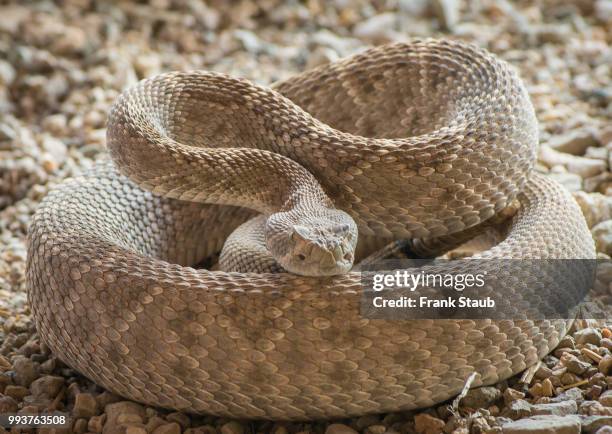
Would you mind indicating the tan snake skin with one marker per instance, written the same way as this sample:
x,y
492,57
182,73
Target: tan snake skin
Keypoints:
x,y
412,140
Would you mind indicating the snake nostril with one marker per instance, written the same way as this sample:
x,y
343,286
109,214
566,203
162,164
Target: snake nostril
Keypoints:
x,y
300,256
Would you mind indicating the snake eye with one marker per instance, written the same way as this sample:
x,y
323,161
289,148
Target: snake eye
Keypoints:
x,y
340,229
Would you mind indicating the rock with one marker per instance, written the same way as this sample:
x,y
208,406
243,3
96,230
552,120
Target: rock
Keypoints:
x,y
79,426
338,428
105,398
47,387
605,365
25,371
16,392
511,395
365,421
590,424
376,429
181,418
597,153
136,429
544,425
573,394
586,167
56,148
447,12
232,428
426,424
7,404
5,365
250,41
481,397
598,184
555,409
85,405
48,366
588,336
603,10
543,389
604,430
376,28
602,234
169,428
595,206
573,142
122,412
595,408
606,398
154,422
581,166
518,409
547,388
553,33
321,56
96,423
573,364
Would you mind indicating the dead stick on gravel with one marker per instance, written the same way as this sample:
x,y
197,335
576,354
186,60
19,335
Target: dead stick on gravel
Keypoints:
x,y
464,391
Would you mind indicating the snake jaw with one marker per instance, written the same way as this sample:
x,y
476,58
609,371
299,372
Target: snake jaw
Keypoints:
x,y
323,245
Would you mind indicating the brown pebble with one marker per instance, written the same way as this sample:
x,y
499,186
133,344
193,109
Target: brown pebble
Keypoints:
x,y
16,392
79,426
48,366
512,395
426,424
114,410
547,388
605,365
606,333
536,390
588,335
25,371
7,404
376,429
96,423
338,428
85,405
169,428
594,392
129,418
574,364
5,365
154,422
135,429
106,398
205,429
606,398
181,418
47,387
567,379
543,372
232,428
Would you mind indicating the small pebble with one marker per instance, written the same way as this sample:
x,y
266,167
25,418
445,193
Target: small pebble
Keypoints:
x,y
338,428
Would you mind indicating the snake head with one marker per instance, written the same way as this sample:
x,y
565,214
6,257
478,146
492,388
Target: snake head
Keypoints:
x,y
314,245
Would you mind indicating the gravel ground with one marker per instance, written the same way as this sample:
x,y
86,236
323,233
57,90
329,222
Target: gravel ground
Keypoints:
x,y
62,64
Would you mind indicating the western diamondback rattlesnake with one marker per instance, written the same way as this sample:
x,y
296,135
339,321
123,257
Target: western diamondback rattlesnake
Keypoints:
x,y
418,140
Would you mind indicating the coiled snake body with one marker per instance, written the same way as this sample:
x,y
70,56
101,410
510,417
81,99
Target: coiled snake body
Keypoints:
x,y
418,140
